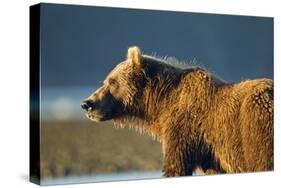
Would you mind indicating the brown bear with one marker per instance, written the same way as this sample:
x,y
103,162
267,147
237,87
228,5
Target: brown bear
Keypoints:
x,y
201,121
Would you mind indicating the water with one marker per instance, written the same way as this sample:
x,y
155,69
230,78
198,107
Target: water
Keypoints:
x,y
103,178
63,103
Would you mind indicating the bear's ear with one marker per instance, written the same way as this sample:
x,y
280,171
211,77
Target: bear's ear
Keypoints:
x,y
134,55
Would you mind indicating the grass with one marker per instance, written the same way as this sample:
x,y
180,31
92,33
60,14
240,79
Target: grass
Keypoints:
x,y
85,148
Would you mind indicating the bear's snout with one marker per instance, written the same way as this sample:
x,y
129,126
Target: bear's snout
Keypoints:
x,y
87,105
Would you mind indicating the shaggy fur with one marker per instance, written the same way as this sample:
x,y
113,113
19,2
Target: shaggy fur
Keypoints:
x,y
201,121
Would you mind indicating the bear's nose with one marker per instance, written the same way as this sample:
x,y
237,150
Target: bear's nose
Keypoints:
x,y
86,105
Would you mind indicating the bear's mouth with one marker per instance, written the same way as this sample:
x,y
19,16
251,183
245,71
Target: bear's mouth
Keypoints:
x,y
95,116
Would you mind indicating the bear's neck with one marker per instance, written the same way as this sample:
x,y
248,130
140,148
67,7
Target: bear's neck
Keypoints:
x,y
157,91
185,93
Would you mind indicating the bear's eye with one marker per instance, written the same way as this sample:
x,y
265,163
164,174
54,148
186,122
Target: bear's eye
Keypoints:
x,y
112,81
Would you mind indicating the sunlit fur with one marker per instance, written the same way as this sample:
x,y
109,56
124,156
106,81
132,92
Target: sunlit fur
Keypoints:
x,y
200,120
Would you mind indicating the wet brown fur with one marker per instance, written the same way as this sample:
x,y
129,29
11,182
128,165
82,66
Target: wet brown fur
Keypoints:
x,y
201,121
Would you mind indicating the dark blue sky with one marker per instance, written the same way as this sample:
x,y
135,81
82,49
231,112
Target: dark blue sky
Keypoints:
x,y
81,44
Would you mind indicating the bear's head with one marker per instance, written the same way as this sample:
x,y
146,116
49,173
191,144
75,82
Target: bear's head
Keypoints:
x,y
120,91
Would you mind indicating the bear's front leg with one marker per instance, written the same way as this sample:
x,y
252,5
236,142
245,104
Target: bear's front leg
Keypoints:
x,y
176,160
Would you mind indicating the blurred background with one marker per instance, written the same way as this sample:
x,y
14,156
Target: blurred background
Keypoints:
x,y
79,47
